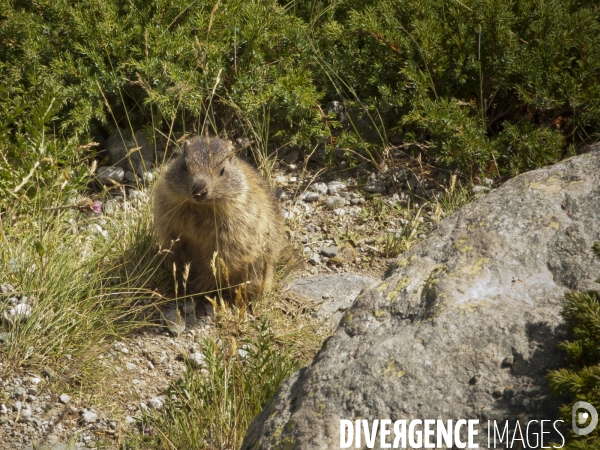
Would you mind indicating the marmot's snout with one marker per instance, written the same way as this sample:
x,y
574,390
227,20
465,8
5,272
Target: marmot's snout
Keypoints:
x,y
199,190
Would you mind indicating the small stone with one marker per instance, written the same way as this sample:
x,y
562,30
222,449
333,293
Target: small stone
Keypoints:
x,y
89,416
136,194
129,420
339,212
35,380
130,366
110,207
64,398
130,176
334,202
197,359
19,392
108,174
20,312
155,403
293,179
32,391
281,180
187,306
52,439
242,353
319,188
17,406
478,189
174,321
310,197
3,409
158,358
315,259
209,310
26,413
143,167
375,187
508,361
329,252
7,288
335,186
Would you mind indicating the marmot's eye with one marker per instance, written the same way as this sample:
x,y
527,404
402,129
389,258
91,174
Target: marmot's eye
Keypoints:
x,y
222,172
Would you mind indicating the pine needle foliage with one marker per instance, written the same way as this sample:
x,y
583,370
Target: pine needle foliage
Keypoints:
x,y
492,86
580,380
481,87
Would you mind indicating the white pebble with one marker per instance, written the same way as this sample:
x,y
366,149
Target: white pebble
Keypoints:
x,y
155,403
89,417
20,312
197,359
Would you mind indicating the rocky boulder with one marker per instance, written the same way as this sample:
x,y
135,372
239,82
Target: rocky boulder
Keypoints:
x,y
332,294
464,326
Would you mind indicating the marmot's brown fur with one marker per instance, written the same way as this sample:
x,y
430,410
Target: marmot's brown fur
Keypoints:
x,y
209,201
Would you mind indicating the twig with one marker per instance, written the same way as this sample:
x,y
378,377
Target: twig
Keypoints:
x,y
26,179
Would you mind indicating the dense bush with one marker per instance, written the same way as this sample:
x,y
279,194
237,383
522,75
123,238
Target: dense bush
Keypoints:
x,y
580,380
483,87
168,65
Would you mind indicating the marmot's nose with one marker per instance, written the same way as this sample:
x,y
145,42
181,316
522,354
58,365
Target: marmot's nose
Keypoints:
x,y
199,191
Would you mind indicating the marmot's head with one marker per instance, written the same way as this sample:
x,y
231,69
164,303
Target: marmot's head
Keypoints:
x,y
206,172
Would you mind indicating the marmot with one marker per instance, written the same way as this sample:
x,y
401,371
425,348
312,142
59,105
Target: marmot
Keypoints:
x,y
209,202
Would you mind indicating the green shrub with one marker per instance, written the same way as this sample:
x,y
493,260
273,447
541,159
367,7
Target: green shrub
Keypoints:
x,y
236,67
487,86
580,380
481,87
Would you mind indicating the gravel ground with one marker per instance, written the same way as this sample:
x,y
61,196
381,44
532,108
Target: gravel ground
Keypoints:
x,y
338,224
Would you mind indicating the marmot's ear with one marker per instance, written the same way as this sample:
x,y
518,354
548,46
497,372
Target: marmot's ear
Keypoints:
x,y
185,147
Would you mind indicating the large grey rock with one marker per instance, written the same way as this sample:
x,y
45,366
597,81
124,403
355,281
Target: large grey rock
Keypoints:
x,y
464,326
331,294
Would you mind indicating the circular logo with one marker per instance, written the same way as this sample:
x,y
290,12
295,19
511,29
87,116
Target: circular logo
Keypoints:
x,y
579,418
